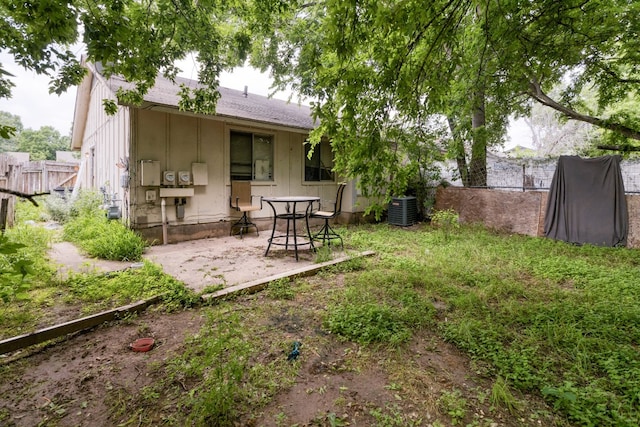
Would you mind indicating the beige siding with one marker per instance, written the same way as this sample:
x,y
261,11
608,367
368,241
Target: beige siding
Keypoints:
x,y
176,141
105,145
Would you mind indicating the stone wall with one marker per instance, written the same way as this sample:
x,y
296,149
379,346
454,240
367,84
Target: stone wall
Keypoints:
x,y
516,212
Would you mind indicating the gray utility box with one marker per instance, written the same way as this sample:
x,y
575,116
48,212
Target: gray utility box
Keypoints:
x,y
403,211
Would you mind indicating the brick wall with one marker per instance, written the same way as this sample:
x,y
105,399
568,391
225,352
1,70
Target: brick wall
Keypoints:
x,y
516,212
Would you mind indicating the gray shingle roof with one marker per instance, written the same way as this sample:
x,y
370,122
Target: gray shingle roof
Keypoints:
x,y
232,103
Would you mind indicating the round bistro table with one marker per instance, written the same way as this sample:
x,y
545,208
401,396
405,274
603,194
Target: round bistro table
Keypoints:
x,y
292,237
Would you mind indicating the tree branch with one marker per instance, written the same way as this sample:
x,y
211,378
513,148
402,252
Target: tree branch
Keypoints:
x,y
616,77
29,197
535,92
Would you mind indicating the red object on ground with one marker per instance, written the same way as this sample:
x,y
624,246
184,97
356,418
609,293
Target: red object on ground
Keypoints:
x,y
142,344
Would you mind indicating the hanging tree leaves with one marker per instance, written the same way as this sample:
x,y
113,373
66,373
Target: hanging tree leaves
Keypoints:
x,y
380,74
377,66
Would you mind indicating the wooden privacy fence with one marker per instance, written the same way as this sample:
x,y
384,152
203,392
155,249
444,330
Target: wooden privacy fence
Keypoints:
x,y
29,177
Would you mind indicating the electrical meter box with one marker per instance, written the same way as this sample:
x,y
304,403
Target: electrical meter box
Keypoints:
x,y
169,178
149,173
184,177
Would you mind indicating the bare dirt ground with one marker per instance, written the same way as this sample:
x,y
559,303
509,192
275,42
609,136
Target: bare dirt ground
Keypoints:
x,y
77,381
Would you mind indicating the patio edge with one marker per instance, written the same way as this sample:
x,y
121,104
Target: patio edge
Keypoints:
x,y
17,343
260,284
77,325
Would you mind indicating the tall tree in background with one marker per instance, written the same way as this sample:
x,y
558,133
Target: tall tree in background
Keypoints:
x,y
9,141
43,143
376,71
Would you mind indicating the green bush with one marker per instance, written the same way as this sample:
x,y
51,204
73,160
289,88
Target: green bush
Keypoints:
x,y
103,238
13,269
115,242
64,207
99,237
446,220
58,207
87,202
27,211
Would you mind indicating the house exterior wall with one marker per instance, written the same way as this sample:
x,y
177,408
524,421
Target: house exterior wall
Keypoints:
x,y
105,145
113,148
177,140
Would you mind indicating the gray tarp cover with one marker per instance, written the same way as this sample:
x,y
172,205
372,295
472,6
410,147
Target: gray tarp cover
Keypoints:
x,y
586,202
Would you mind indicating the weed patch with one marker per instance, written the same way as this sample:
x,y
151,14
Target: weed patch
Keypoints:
x,y
98,290
221,362
535,317
281,289
103,238
86,225
365,318
24,273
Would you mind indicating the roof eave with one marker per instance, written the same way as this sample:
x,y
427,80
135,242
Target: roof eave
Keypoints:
x,y
243,121
81,110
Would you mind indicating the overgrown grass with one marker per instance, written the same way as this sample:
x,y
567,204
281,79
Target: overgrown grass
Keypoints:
x,y
103,238
98,291
27,211
368,314
221,355
24,273
88,228
544,316
537,317
30,286
226,370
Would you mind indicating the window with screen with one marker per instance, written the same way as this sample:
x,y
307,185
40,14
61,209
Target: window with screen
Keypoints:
x,y
251,156
319,167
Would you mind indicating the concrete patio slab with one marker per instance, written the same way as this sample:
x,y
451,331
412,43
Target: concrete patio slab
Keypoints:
x,y
226,261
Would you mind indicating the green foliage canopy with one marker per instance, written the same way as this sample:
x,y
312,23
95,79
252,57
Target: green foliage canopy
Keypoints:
x,y
377,72
10,125
135,39
375,68
43,143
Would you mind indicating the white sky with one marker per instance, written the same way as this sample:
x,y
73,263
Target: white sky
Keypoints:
x,y
36,107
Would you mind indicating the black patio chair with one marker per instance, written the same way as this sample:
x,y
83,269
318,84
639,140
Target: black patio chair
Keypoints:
x,y
326,233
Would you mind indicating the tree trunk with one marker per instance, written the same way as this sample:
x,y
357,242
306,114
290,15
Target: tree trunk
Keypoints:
x,y
478,164
458,147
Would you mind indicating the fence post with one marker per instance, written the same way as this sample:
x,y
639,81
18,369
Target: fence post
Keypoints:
x,y
4,209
